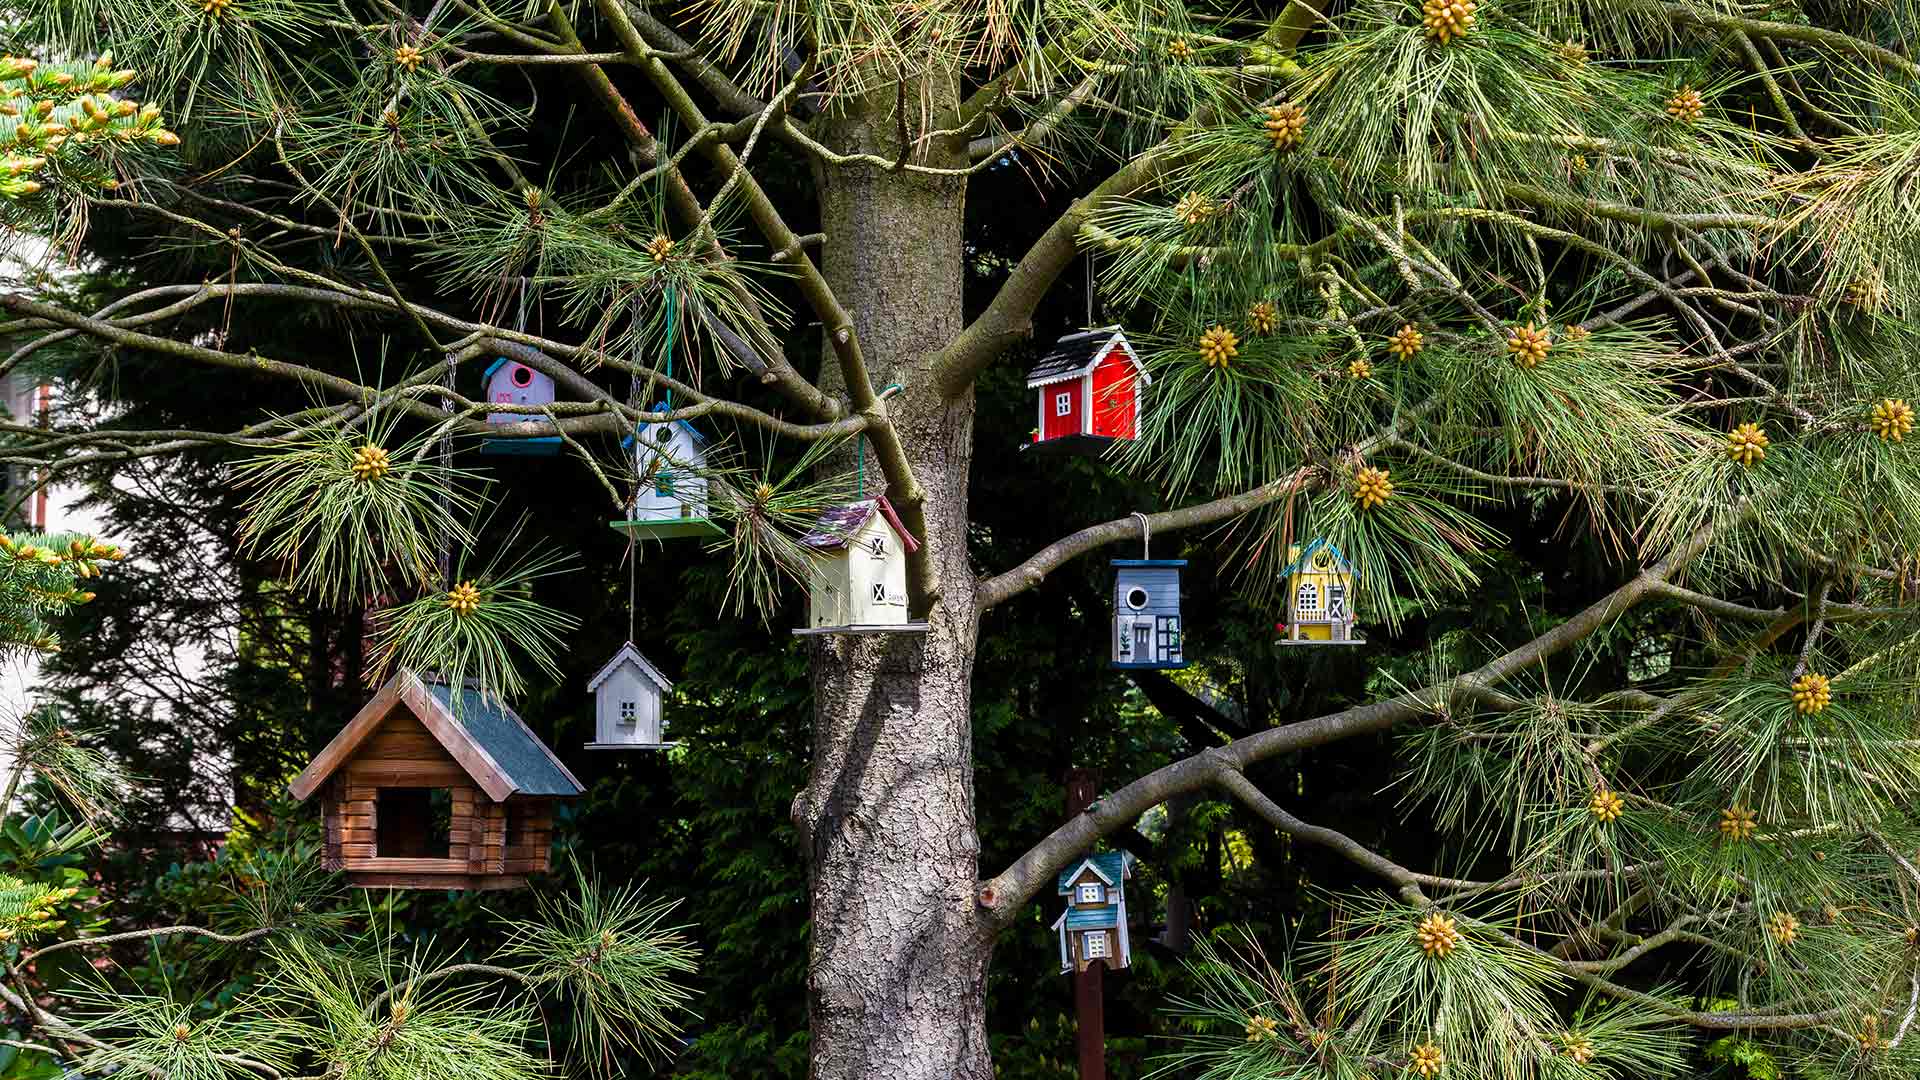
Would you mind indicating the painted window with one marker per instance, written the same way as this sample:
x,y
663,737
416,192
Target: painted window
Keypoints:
x,y
1306,603
1093,893
629,711
1336,601
879,592
878,547
1063,404
1168,630
1095,945
663,484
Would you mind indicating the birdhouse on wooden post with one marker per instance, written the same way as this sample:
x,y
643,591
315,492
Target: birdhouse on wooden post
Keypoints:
x,y
1089,393
1094,926
510,382
627,697
1319,597
669,460
1146,614
859,573
436,787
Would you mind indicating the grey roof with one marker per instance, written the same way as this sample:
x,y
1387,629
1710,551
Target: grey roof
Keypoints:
x,y
835,528
629,652
507,740
1075,354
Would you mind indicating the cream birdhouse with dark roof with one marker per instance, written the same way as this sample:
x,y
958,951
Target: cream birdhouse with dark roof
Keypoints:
x,y
859,571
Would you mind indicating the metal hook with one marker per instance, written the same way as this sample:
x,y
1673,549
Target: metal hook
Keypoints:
x,y
1146,535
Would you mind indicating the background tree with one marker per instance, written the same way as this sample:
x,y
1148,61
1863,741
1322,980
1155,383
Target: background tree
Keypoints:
x,y
1412,279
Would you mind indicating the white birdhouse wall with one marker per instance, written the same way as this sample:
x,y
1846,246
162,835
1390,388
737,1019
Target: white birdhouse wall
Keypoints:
x,y
627,709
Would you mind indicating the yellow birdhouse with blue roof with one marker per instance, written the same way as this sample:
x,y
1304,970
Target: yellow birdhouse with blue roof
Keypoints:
x,y
1319,597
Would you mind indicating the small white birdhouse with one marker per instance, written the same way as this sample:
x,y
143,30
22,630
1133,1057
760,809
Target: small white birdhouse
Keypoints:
x,y
627,696
669,461
860,570
1094,926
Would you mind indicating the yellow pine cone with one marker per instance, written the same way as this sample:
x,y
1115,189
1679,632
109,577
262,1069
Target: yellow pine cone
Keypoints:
x,y
1193,208
1371,487
1738,823
1179,49
1870,1032
1578,1047
1427,1060
1687,105
371,463
1747,444
464,599
1261,1028
660,247
1528,344
1784,928
1866,292
1406,342
215,7
408,57
1447,19
1892,420
1607,805
1573,51
1811,693
1360,369
1218,346
1263,317
1576,332
1438,936
1286,123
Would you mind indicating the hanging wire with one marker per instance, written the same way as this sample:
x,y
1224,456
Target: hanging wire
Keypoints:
x,y
1089,264
1146,535
673,308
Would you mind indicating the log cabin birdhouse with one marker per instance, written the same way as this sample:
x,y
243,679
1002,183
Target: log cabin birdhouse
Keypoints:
x,y
669,465
859,572
1319,597
1146,614
1088,391
1094,926
627,697
510,382
436,787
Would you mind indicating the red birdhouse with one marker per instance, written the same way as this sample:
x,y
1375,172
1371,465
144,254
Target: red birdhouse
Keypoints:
x,y
1089,390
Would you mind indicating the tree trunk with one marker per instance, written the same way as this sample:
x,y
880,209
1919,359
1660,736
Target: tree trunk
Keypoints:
x,y
899,952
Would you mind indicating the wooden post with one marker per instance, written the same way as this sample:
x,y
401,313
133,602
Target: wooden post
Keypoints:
x,y
1089,1001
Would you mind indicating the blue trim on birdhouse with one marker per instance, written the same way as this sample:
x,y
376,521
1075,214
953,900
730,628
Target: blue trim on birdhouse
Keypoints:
x,y
1104,917
545,446
1112,866
1158,665
661,406
1149,562
493,367
1308,552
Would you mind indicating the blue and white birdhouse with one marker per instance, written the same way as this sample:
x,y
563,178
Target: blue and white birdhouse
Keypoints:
x,y
669,461
1094,926
1146,614
627,697
510,382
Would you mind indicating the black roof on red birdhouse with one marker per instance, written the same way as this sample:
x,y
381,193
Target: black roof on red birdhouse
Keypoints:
x,y
837,527
1077,354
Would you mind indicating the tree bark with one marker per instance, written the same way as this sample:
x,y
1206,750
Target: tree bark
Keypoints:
x,y
899,947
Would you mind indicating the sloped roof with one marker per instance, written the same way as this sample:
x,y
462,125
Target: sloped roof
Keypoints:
x,y
1307,552
485,737
835,528
1112,866
628,652
1104,917
1076,354
660,407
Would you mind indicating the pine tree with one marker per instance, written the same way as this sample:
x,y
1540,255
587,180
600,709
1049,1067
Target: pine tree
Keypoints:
x,y
1643,271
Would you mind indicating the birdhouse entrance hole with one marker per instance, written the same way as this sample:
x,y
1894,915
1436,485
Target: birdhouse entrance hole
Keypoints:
x,y
413,823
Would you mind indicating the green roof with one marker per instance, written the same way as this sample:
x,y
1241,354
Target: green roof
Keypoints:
x,y
506,739
1104,917
1111,864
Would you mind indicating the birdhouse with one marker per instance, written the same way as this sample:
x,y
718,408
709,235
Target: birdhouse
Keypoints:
x,y
1094,926
1088,392
859,572
627,695
1319,597
510,382
436,787
669,461
1146,614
